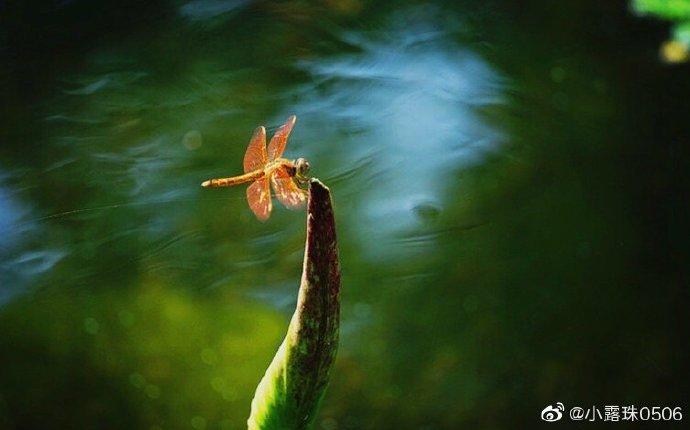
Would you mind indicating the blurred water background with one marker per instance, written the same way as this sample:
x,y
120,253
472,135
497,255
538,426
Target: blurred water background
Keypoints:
x,y
509,187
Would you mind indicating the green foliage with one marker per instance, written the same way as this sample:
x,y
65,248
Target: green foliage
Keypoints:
x,y
147,358
667,9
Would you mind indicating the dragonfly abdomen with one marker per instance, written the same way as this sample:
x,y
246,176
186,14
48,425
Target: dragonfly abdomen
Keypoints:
x,y
234,180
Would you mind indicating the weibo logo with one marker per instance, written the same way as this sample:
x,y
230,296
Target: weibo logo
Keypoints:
x,y
552,413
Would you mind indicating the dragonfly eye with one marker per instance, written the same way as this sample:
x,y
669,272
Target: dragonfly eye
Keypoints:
x,y
302,166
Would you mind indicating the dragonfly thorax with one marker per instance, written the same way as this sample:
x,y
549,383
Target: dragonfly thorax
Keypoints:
x,y
298,168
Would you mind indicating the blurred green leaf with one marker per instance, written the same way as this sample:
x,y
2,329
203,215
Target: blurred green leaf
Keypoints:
x,y
667,9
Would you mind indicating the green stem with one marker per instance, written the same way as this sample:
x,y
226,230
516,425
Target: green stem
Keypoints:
x,y
288,396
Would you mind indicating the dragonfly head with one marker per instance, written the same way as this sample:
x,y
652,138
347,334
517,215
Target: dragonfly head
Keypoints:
x,y
301,167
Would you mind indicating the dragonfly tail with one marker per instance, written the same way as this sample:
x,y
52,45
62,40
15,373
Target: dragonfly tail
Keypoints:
x,y
235,180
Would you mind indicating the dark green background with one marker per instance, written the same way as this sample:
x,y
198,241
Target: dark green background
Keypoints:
x,y
510,182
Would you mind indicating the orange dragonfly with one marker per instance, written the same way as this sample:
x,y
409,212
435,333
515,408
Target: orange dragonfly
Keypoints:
x,y
262,165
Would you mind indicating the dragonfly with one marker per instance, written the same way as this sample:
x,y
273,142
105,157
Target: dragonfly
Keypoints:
x,y
265,165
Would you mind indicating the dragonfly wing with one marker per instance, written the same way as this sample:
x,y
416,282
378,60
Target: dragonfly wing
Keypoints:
x,y
287,192
279,140
259,198
255,157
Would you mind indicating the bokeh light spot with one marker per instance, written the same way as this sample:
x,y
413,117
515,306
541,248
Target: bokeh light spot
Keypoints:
x,y
209,356
91,325
199,423
192,140
153,391
126,318
137,379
